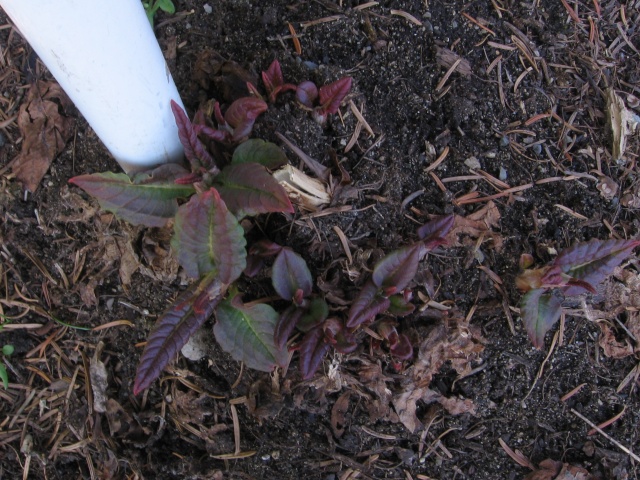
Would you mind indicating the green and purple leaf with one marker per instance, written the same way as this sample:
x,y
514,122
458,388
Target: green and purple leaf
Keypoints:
x,y
401,304
194,150
338,336
367,305
332,95
248,189
313,348
290,274
539,312
398,268
316,313
208,238
150,200
247,334
173,329
258,151
592,261
434,232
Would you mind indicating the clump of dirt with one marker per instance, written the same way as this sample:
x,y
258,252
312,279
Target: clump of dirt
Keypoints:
x,y
495,112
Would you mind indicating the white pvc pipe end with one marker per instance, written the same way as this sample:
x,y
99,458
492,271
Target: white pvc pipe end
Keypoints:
x,y
107,59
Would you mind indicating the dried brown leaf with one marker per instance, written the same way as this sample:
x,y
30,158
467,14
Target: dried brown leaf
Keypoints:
x,y
45,131
338,414
477,224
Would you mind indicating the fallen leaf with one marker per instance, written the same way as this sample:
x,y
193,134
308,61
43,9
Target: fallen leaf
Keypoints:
x,y
621,122
552,470
45,131
98,375
479,223
338,419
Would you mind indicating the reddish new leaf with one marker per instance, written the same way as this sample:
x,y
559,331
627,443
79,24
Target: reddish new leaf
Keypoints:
x,y
539,312
286,324
267,154
290,274
208,238
307,93
242,114
434,232
592,261
150,200
175,326
332,95
366,306
274,81
248,189
221,136
316,313
338,336
400,305
313,348
247,334
398,268
402,349
193,148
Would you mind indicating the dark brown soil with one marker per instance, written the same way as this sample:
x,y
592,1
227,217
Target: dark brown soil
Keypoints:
x,y
182,426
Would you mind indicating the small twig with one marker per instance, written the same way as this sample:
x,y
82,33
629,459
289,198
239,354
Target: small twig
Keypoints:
x,y
599,430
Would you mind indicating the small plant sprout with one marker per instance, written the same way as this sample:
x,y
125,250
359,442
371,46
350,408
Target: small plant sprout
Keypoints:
x,y
576,270
7,351
385,293
208,240
152,7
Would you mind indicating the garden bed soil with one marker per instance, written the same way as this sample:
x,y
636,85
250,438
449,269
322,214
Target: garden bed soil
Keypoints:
x,y
503,94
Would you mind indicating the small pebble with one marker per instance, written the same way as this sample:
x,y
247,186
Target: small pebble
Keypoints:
x,y
207,8
537,149
503,174
504,141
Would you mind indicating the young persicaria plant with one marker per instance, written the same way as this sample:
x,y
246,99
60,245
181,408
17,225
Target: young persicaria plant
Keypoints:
x,y
208,240
576,270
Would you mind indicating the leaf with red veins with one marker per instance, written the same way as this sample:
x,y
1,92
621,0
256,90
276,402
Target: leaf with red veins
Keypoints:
x,y
593,261
338,336
366,306
434,232
398,268
290,274
539,311
248,189
312,348
242,114
208,238
274,81
148,199
332,95
194,150
307,93
221,136
174,328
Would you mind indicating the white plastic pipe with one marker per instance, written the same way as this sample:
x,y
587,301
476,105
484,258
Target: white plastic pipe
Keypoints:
x,y
106,58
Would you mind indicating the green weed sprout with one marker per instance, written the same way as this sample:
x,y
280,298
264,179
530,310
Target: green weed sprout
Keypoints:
x,y
152,7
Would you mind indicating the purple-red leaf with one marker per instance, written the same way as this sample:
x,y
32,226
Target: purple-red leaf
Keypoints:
x,y
313,348
289,274
539,312
248,189
267,154
221,136
402,349
434,232
367,305
193,148
332,95
307,93
175,326
247,334
208,238
286,324
398,268
338,336
242,114
592,261
151,199
400,306
274,81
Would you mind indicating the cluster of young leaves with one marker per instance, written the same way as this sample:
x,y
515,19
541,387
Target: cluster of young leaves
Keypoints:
x,y
208,239
321,102
152,7
576,270
386,292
